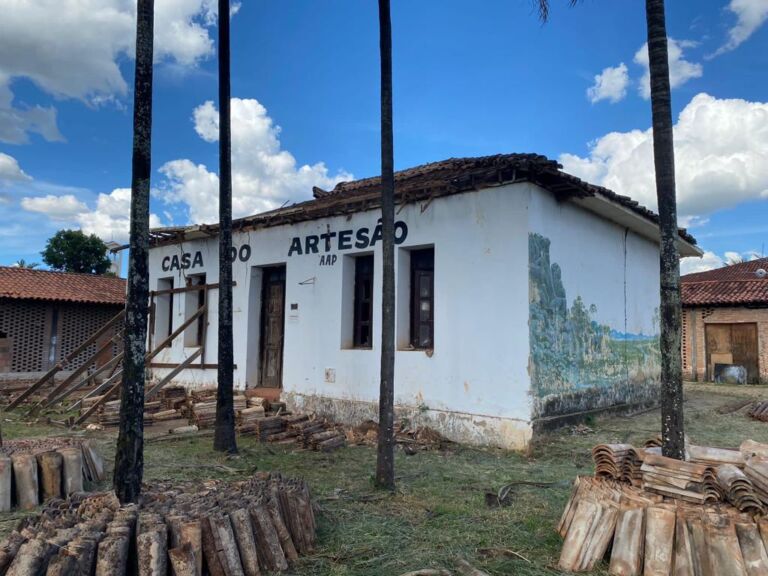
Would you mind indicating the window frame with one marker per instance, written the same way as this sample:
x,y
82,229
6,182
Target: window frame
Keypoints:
x,y
362,275
422,266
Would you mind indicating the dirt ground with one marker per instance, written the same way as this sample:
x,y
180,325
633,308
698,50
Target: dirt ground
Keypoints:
x,y
439,512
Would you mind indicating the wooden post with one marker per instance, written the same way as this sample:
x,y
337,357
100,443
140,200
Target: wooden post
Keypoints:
x,y
6,484
25,477
50,466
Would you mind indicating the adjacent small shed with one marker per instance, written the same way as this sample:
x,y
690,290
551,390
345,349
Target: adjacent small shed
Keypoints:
x,y
725,323
46,315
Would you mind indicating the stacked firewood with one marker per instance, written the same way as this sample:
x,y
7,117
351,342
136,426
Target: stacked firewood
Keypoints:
x,y
173,397
37,470
759,411
203,412
262,524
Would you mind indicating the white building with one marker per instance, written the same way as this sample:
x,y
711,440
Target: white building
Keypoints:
x,y
525,296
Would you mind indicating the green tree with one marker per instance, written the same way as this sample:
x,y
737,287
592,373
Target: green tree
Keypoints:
x,y
129,456
21,263
73,251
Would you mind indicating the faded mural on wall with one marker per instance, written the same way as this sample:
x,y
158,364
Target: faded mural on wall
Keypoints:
x,y
577,363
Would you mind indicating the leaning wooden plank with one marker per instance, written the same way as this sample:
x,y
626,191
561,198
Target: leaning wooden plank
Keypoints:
x,y
172,374
627,554
106,397
659,539
60,366
89,378
171,337
752,549
94,394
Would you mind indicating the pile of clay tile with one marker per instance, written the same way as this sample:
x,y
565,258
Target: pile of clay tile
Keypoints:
x,y
702,517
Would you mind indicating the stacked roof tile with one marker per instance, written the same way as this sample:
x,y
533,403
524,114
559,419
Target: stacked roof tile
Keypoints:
x,y
28,284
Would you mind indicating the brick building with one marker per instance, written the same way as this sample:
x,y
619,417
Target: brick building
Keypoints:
x,y
46,315
725,322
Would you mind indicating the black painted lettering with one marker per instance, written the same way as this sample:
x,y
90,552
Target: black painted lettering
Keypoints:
x,y
377,235
295,247
166,263
310,244
232,254
245,253
186,261
175,262
401,232
327,237
361,238
345,239
197,260
333,259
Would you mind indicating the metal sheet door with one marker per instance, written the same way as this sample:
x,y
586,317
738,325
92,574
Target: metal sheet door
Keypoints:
x,y
272,327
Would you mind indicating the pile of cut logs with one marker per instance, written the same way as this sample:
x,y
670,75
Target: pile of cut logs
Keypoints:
x,y
241,528
682,517
37,470
759,411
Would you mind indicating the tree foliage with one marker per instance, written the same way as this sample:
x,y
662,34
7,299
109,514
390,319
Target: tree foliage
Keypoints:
x,y
74,251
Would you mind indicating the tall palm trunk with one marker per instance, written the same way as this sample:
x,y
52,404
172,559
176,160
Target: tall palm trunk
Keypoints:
x,y
672,423
129,459
224,439
385,463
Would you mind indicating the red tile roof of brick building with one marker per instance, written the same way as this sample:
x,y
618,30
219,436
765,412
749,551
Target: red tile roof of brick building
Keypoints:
x,y
27,284
739,284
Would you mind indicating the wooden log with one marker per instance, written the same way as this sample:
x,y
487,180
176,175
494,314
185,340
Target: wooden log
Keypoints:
x,y
184,429
62,564
183,562
32,558
191,534
152,552
246,543
220,546
25,477
50,474
72,477
112,555
9,548
6,485
270,551
282,531
86,548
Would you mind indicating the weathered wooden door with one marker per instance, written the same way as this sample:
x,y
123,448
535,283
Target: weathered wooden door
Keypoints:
x,y
744,346
272,327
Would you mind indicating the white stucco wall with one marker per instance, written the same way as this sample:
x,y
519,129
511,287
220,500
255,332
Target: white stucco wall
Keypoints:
x,y
616,273
474,387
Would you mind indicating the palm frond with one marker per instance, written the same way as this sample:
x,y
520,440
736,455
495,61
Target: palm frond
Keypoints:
x,y
543,8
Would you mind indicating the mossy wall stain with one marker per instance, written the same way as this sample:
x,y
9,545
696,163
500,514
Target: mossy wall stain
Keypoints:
x,y
576,362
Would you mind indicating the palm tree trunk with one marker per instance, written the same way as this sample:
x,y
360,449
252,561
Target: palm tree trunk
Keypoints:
x,y
129,459
672,422
224,438
385,463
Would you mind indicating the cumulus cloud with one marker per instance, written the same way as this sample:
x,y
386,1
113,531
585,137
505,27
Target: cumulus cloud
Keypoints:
x,y
71,49
721,157
109,220
680,69
750,15
709,261
611,84
10,171
264,176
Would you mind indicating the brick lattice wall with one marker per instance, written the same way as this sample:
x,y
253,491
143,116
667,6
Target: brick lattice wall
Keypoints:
x,y
694,336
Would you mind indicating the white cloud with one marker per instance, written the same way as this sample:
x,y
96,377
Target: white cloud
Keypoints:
x,y
109,220
611,84
10,171
71,49
709,261
63,208
750,15
263,175
721,157
680,69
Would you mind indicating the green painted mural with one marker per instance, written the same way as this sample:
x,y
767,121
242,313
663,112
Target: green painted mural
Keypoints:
x,y
572,353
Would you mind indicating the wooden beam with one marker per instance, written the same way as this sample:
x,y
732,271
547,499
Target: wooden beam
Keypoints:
x,y
68,358
108,366
175,333
95,392
162,365
173,373
193,288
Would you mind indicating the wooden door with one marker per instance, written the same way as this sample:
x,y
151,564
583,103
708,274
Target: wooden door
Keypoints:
x,y
744,348
272,327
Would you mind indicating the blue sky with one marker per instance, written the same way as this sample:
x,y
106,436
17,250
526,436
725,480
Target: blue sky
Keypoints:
x,y
467,82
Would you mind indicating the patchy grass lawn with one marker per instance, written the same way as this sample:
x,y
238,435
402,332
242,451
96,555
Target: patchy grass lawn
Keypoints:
x,y
439,511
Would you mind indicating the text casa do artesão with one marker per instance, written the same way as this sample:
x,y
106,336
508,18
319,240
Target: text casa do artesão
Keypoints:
x,y
329,241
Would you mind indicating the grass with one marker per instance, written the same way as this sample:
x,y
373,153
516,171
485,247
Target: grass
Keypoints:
x,y
438,512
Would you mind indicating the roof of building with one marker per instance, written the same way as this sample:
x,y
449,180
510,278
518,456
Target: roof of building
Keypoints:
x,y
29,284
425,182
735,285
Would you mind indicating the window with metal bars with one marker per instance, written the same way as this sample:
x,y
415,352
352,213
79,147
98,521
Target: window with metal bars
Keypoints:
x,y
423,298
363,305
